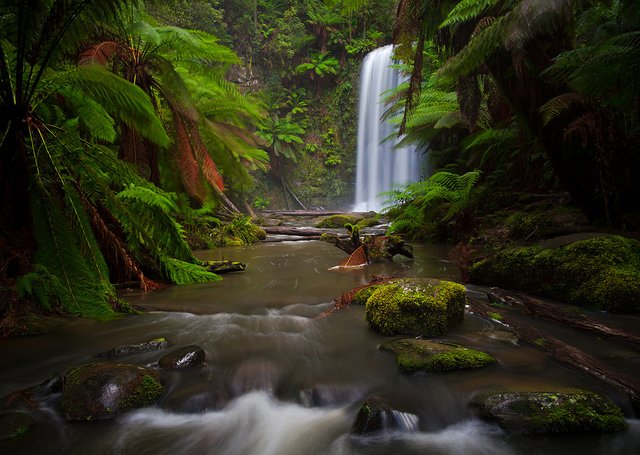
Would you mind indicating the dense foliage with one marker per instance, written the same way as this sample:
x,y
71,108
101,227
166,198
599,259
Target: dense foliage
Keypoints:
x,y
538,94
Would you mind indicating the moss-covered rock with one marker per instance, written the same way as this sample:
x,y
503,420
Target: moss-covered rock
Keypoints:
x,y
422,355
156,344
338,221
100,391
14,424
368,222
574,411
417,307
601,273
361,297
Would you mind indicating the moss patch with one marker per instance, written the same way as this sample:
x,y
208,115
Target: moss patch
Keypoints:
x,y
422,355
145,393
552,412
601,273
418,307
361,297
14,424
338,221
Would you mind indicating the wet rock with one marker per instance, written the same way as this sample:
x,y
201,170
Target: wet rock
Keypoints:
x,y
575,411
375,416
156,344
14,424
255,374
422,355
100,391
330,395
188,356
31,396
197,398
416,306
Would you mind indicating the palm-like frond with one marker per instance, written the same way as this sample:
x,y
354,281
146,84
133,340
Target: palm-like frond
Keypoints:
x,y
467,10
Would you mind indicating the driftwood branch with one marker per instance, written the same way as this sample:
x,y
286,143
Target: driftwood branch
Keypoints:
x,y
557,313
566,353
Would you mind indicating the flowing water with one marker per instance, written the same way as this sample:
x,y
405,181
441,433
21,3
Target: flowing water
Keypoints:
x,y
279,381
380,164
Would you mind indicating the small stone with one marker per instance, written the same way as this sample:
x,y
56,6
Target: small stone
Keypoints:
x,y
188,356
156,344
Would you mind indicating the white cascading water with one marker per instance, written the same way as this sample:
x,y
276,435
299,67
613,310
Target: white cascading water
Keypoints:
x,y
381,165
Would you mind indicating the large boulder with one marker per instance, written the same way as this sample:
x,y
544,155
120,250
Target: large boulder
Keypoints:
x,y
100,391
422,355
575,411
416,306
601,273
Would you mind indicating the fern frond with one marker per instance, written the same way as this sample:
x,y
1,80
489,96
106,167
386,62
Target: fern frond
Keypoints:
x,y
181,272
467,10
558,105
479,48
122,99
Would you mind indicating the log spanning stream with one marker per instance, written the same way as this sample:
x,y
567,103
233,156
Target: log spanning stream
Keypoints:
x,y
278,381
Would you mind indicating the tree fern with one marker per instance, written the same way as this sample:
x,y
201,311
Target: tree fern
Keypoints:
x,y
78,286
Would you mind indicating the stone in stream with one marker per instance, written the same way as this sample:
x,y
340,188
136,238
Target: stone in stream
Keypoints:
x,y
14,424
375,415
422,355
188,356
573,411
156,344
100,391
416,307
255,374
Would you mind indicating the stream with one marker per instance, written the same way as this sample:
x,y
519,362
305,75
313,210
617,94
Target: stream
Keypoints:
x,y
277,381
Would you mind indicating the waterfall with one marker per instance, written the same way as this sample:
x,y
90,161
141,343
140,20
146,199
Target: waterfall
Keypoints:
x,y
380,165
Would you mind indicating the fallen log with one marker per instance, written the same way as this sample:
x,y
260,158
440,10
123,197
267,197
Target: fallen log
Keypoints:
x,y
556,313
290,239
566,353
301,232
310,212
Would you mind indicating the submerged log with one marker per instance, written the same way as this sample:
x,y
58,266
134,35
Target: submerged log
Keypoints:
x,y
566,353
556,313
224,266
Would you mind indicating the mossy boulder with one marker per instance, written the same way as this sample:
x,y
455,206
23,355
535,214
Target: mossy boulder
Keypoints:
x,y
601,273
414,355
361,297
576,411
188,356
338,221
100,391
416,306
14,424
